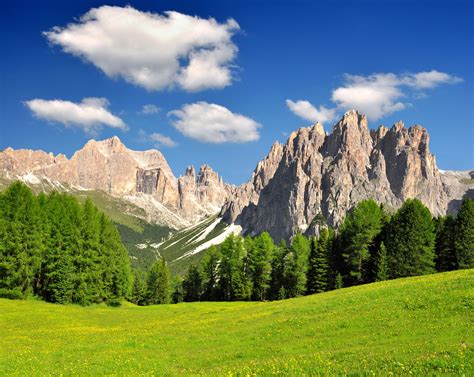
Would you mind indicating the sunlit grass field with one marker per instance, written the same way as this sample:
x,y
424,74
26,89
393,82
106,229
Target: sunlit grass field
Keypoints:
x,y
421,325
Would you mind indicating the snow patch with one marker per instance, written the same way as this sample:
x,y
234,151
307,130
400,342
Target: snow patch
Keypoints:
x,y
232,229
208,230
157,210
30,178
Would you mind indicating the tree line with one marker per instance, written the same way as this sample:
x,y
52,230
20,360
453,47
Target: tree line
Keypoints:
x,y
59,250
370,245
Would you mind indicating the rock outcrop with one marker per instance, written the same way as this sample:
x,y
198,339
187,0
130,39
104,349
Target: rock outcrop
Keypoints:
x,y
318,176
144,178
314,177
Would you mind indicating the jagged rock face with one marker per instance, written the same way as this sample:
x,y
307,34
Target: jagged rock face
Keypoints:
x,y
110,166
316,174
312,175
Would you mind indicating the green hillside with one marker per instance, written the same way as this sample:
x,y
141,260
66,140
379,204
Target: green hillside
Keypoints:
x,y
420,325
186,241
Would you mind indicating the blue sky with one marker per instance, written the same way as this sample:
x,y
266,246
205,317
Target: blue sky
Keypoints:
x,y
393,59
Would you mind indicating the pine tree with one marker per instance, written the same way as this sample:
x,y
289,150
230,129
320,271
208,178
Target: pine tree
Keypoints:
x,y
464,238
410,241
22,244
277,290
295,267
209,270
115,273
192,285
381,269
358,232
139,293
317,275
59,277
88,263
158,283
233,284
54,248
446,259
338,281
259,264
178,291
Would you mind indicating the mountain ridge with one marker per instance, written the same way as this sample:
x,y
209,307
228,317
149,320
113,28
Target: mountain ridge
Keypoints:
x,y
317,174
141,177
313,176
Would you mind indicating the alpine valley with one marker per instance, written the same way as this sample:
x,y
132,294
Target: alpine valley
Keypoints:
x,y
311,180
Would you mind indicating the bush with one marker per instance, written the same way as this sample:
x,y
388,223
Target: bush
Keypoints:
x,y
12,294
114,302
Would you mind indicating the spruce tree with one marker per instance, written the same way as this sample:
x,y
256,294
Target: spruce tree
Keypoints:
x,y
464,235
357,234
446,259
410,241
381,269
259,265
209,271
58,277
338,284
277,290
295,267
55,248
114,268
317,276
139,292
22,242
158,283
192,285
88,262
233,283
177,295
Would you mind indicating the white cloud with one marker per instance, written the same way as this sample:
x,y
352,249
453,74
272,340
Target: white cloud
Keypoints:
x,y
376,95
149,109
213,123
159,140
151,50
90,115
162,140
307,111
428,80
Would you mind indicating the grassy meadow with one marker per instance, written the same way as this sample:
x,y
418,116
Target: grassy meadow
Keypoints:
x,y
419,326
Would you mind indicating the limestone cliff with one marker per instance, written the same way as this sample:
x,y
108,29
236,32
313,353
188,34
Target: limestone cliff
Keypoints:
x,y
144,178
321,176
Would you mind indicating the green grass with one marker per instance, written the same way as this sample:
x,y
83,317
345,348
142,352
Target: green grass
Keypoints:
x,y
421,326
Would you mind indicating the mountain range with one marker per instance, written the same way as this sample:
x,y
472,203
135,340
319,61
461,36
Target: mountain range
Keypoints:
x,y
312,179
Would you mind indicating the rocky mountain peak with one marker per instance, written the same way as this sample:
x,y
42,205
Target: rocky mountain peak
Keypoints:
x,y
190,172
319,128
350,134
143,177
314,175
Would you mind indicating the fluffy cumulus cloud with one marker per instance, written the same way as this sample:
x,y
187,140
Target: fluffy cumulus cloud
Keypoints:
x,y
154,51
211,123
90,115
149,109
376,95
307,111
